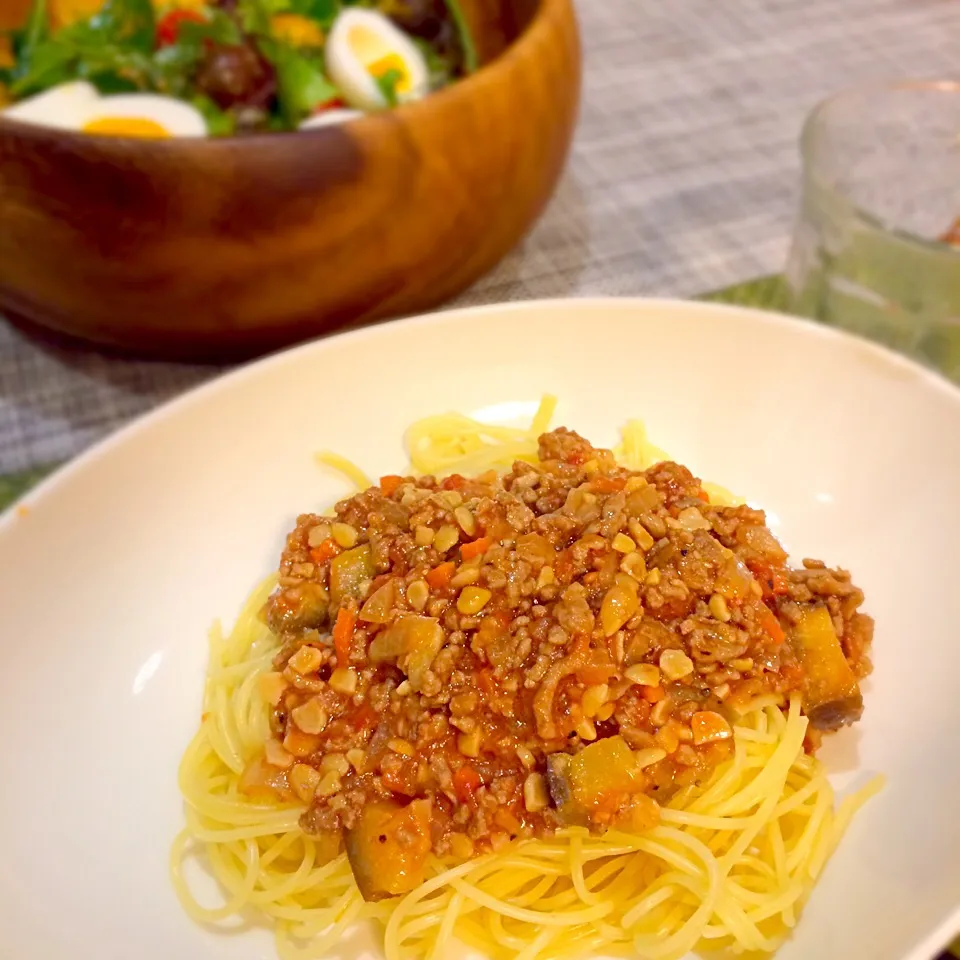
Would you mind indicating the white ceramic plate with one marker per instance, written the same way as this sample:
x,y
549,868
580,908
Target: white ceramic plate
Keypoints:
x,y
111,573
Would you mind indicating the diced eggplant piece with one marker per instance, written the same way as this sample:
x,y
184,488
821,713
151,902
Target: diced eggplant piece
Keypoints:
x,y
302,607
388,848
558,783
831,694
350,573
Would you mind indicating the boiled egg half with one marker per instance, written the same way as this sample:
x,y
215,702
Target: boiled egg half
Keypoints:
x,y
79,106
329,118
363,49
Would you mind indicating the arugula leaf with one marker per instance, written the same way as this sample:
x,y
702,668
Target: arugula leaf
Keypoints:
x,y
301,84
439,68
471,61
255,16
124,23
388,82
324,12
36,30
220,123
114,46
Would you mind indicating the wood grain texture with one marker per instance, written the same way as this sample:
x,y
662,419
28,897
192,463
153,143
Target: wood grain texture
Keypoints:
x,y
223,248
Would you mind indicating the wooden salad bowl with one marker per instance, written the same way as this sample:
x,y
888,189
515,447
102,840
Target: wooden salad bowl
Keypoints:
x,y
215,249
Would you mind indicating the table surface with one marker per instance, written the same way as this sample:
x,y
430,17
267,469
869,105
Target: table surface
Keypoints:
x,y
683,178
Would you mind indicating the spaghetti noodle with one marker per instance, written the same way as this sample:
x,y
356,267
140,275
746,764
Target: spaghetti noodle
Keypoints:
x,y
730,863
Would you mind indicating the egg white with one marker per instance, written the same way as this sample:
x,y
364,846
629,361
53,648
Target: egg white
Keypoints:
x,y
351,73
59,107
75,105
177,118
329,118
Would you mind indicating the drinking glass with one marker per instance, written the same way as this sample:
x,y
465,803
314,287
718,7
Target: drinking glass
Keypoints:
x,y
876,249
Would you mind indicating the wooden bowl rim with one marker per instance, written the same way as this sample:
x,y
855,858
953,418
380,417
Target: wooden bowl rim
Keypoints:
x,y
467,89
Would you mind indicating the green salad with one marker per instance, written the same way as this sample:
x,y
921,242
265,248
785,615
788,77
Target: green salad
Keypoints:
x,y
189,68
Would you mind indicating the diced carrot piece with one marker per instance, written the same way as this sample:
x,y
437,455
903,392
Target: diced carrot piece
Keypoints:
x,y
607,484
441,575
475,548
772,581
327,550
465,782
453,482
389,484
343,634
772,626
653,694
703,495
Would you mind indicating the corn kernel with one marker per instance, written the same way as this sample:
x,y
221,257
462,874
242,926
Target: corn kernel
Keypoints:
x,y
535,796
640,534
648,757
398,745
450,498
318,534
586,730
329,784
344,680
447,536
304,779
277,756
546,577
644,674
310,717
591,467
743,664
593,699
526,757
606,712
465,518
667,738
634,565
619,604
418,593
465,575
344,535
660,713
675,664
718,607
356,758
306,660
472,600
469,743
404,687
652,578
623,544
424,535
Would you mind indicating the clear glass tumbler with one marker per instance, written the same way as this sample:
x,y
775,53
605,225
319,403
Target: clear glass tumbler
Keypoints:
x,y
876,248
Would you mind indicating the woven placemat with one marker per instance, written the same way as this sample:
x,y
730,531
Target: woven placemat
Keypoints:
x,y
765,292
762,293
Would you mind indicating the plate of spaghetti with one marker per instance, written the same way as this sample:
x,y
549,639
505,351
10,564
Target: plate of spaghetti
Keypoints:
x,y
563,630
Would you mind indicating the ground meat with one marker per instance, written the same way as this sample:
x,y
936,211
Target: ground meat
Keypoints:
x,y
446,641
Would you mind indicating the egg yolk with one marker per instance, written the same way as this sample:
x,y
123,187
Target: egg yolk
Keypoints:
x,y
378,58
126,127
